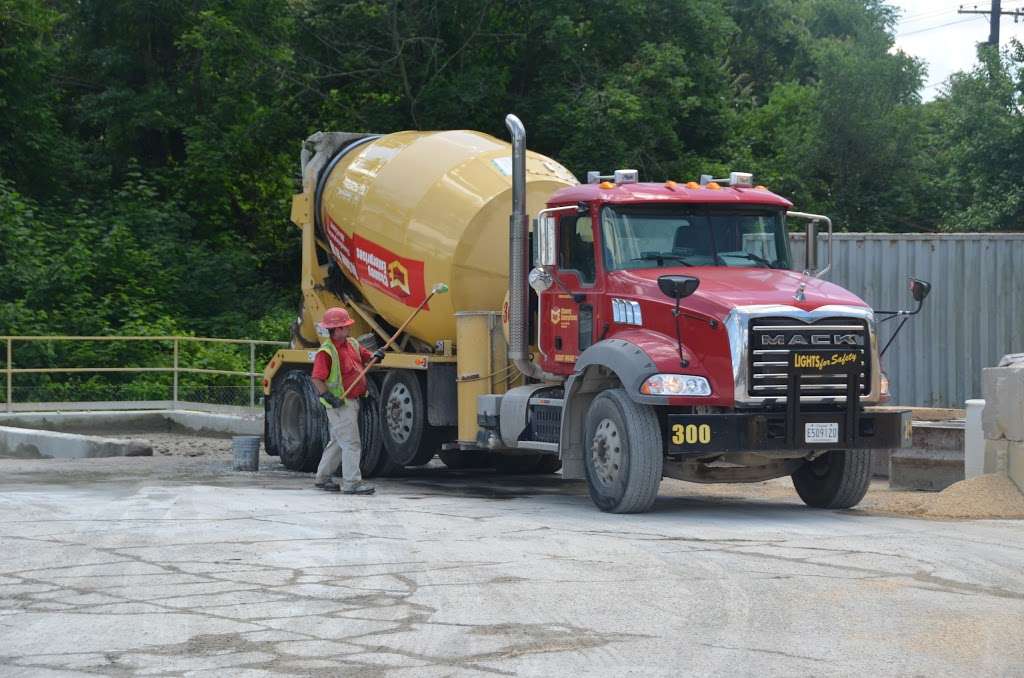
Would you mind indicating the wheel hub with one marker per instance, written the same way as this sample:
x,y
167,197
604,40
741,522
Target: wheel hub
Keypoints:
x,y
398,413
606,451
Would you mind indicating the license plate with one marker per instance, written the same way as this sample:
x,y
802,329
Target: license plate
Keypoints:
x,y
821,432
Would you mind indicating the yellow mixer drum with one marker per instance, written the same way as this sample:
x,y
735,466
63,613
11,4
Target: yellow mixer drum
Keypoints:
x,y
407,210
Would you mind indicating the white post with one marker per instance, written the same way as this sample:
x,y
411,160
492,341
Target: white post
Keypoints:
x,y
974,440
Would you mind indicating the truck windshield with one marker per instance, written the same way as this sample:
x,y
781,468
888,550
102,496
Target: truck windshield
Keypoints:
x,y
652,236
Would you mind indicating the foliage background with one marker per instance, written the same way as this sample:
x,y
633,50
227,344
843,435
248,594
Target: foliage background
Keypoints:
x,y
149,148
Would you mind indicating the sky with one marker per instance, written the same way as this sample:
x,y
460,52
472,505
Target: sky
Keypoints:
x,y
932,30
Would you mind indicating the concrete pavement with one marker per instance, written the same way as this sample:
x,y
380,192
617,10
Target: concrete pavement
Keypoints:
x,y
212,573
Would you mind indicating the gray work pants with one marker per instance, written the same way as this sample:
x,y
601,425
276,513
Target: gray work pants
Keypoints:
x,y
344,445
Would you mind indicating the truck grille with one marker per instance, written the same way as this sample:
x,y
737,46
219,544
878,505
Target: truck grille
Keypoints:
x,y
772,340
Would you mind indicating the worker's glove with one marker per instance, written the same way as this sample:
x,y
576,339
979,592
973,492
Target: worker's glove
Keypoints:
x,y
378,355
332,400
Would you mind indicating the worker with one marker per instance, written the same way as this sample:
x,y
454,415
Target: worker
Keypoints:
x,y
337,368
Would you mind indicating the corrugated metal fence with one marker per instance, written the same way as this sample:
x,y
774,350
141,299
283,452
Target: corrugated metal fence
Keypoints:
x,y
974,315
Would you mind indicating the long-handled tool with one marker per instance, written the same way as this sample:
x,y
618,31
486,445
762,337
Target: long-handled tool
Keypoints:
x,y
439,288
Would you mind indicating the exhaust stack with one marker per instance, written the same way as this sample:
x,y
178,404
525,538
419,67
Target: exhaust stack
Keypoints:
x,y
518,229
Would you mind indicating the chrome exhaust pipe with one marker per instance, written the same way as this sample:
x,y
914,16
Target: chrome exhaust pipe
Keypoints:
x,y
518,256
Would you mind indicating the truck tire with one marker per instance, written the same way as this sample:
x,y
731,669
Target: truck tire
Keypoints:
x,y
408,439
271,434
373,461
838,479
299,428
622,453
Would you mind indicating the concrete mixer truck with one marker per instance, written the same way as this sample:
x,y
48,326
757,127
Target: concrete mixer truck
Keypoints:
x,y
631,331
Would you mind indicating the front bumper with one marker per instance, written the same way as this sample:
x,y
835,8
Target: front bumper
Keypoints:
x,y
702,434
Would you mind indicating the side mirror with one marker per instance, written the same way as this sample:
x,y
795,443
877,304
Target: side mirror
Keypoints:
x,y
547,244
811,260
678,286
919,289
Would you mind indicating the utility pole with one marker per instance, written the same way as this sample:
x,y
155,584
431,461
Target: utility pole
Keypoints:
x,y
993,19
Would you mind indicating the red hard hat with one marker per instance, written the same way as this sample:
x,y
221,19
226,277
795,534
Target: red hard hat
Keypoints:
x,y
336,317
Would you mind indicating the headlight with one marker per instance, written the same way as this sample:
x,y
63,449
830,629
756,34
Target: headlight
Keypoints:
x,y
677,385
884,387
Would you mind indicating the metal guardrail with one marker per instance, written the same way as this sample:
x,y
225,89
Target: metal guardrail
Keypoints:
x,y
175,369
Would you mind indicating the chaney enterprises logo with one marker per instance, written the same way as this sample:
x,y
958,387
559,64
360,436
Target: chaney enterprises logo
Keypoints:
x,y
373,265
816,361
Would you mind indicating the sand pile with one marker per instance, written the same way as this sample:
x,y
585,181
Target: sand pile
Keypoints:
x,y
988,496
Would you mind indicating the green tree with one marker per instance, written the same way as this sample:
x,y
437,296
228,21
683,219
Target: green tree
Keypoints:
x,y
973,159
33,150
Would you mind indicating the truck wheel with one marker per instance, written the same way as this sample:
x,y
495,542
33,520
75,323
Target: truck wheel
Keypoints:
x,y
271,431
838,479
408,439
299,428
373,461
622,453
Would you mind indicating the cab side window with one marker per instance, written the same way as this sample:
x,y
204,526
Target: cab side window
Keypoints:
x,y
576,247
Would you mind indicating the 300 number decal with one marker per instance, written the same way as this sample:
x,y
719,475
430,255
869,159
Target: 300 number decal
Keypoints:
x,y
691,434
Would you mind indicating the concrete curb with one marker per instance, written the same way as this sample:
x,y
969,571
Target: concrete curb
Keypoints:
x,y
23,443
207,422
137,420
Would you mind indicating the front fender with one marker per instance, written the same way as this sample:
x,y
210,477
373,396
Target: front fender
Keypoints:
x,y
606,364
634,355
612,363
630,364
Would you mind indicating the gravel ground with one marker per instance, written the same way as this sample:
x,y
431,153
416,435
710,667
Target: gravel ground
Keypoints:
x,y
176,565
191,458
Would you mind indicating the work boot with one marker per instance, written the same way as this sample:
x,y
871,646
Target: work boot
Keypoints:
x,y
359,488
329,486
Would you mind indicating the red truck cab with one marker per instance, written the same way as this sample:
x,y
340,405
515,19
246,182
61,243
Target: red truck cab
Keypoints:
x,y
614,240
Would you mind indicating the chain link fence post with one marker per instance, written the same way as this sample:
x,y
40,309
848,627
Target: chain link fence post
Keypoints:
x,y
10,372
174,393
252,374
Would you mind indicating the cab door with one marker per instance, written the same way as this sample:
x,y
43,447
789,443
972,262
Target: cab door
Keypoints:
x,y
568,308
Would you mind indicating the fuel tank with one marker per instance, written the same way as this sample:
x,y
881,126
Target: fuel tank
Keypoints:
x,y
404,211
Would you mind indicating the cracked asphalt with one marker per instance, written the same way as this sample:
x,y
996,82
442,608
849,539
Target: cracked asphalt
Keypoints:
x,y
178,566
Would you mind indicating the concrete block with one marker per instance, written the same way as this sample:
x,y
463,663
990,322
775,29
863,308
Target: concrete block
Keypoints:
x,y
1015,463
34,444
996,452
934,460
974,440
1003,416
880,463
1011,359
922,469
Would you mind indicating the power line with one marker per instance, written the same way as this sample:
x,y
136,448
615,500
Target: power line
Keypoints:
x,y
932,28
994,15
929,14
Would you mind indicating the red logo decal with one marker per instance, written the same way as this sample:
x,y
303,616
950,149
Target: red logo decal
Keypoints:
x,y
378,267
